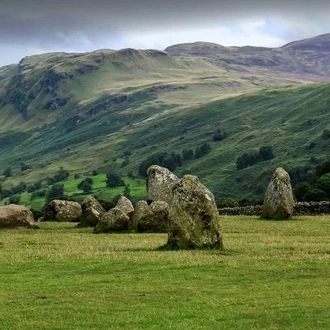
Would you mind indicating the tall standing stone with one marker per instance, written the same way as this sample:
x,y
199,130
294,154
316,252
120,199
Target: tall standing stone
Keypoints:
x,y
194,218
160,183
278,202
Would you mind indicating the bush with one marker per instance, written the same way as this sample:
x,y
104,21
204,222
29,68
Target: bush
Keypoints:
x,y
227,202
249,159
114,180
266,153
15,199
56,191
38,193
219,136
86,185
7,172
164,159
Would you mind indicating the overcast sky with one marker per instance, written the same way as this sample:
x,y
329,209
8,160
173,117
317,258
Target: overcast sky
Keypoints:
x,y
37,26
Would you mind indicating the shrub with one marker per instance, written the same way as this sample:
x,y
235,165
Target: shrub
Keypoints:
x,y
114,180
15,199
56,191
227,202
219,136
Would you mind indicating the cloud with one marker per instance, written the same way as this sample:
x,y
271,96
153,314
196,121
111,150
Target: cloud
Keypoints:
x,y
80,25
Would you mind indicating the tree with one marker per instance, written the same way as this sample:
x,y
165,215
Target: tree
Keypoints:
x,y
323,183
266,153
326,134
187,154
24,167
322,168
315,195
87,187
219,136
61,175
301,190
15,199
114,180
56,191
227,202
127,191
8,172
202,150
247,159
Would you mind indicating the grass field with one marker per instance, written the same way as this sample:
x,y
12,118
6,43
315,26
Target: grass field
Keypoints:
x,y
271,275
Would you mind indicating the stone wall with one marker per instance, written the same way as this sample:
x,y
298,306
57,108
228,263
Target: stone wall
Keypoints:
x,y
301,208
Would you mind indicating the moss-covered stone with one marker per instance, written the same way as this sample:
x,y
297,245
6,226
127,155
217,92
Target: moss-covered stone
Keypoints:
x,y
160,184
113,221
278,202
63,211
155,218
92,212
194,219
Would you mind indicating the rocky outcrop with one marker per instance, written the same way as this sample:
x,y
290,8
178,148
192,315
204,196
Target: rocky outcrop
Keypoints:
x,y
62,210
278,202
92,212
14,216
113,221
160,182
154,218
194,218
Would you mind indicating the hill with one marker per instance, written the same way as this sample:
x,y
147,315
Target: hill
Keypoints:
x,y
113,109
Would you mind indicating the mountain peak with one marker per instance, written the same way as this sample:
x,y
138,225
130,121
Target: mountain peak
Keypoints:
x,y
196,48
318,43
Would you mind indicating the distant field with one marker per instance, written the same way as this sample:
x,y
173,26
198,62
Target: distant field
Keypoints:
x,y
137,188
271,275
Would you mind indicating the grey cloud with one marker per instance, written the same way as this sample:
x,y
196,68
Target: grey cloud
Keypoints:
x,y
80,25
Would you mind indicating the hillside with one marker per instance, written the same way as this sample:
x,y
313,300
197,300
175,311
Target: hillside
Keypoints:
x,y
113,109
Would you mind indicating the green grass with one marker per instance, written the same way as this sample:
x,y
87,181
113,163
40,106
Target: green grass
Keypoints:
x,y
271,275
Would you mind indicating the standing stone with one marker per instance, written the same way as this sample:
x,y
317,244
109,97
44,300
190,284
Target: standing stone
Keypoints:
x,y
14,216
92,212
125,205
194,218
113,221
160,183
62,210
140,211
278,202
155,219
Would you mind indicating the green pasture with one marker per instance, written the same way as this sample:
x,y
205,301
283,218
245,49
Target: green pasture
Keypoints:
x,y
271,275
137,188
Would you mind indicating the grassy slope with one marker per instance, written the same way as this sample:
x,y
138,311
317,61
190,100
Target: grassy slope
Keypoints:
x,y
272,275
141,102
288,119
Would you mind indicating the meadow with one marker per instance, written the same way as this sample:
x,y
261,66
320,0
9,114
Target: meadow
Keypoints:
x,y
271,275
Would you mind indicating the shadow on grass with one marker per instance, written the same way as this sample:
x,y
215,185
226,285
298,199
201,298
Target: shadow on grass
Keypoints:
x,y
166,248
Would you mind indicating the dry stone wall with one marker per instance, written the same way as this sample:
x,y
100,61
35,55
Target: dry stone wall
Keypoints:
x,y
300,208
